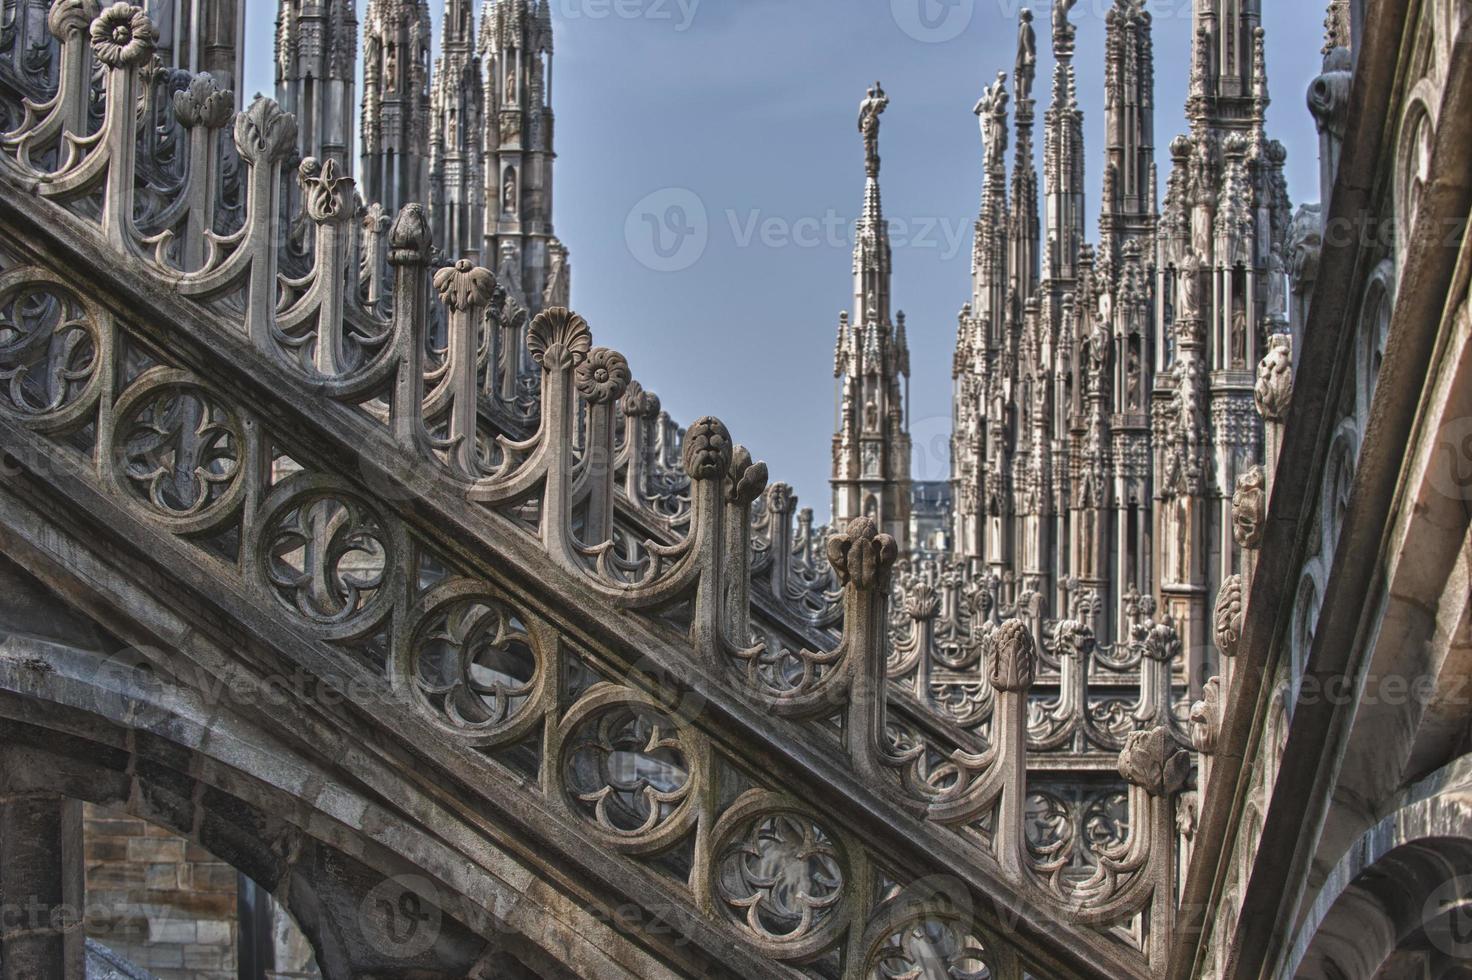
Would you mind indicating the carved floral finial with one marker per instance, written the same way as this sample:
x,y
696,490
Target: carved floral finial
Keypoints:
x,y
464,285
1249,508
559,338
1227,620
69,16
603,377
1162,642
1274,389
1075,638
748,479
409,238
1153,761
921,601
264,132
324,193
861,554
123,36
203,102
1014,656
638,403
708,449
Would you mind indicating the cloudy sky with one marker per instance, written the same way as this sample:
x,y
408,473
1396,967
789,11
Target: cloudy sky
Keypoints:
x,y
710,169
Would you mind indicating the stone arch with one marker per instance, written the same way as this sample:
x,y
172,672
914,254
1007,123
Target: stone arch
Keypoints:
x,y
1414,142
1402,894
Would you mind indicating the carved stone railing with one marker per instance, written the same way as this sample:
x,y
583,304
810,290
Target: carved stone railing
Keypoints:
x,y
588,485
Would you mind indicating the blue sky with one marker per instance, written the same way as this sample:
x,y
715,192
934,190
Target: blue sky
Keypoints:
x,y
734,123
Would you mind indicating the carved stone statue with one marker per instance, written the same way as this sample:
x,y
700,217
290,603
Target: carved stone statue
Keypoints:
x,y
1190,277
508,191
870,110
1060,15
1027,55
991,109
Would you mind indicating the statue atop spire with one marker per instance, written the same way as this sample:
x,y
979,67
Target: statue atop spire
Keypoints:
x,y
1027,55
992,111
870,110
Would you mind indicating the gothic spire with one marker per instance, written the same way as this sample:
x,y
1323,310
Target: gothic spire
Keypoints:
x,y
395,117
316,71
456,166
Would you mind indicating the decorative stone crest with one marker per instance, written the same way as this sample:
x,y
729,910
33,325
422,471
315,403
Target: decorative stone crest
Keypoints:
x,y
603,376
1227,620
123,36
861,554
324,192
1153,761
1014,657
463,284
1249,508
1162,642
67,16
708,450
1206,717
203,103
409,238
921,601
1274,389
748,479
638,403
559,338
264,132
780,499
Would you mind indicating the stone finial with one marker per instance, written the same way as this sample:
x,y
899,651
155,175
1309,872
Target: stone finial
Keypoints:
x,y
639,403
1228,617
922,602
861,554
123,36
463,284
264,132
748,479
1249,508
324,193
559,338
708,450
603,377
1206,717
408,239
69,16
1274,391
1162,642
1014,657
375,219
1075,638
203,102
1153,761
781,499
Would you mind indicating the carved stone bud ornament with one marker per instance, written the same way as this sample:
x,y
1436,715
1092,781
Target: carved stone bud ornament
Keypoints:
x,y
861,554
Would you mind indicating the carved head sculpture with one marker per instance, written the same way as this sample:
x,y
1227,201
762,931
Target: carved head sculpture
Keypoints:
x,y
708,449
1249,508
1013,655
1274,389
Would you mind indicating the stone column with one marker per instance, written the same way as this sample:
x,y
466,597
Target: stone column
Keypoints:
x,y
42,889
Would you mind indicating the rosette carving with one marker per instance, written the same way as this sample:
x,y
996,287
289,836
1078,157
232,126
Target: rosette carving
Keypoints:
x,y
123,36
603,376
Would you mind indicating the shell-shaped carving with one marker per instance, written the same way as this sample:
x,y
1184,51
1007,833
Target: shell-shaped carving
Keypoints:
x,y
1155,762
921,601
464,285
123,36
264,132
708,449
1227,620
1014,657
203,103
603,376
559,338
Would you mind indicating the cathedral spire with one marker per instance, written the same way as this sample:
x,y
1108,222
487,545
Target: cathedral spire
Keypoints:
x,y
456,164
1127,212
316,70
515,49
871,449
1023,224
1063,158
395,118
